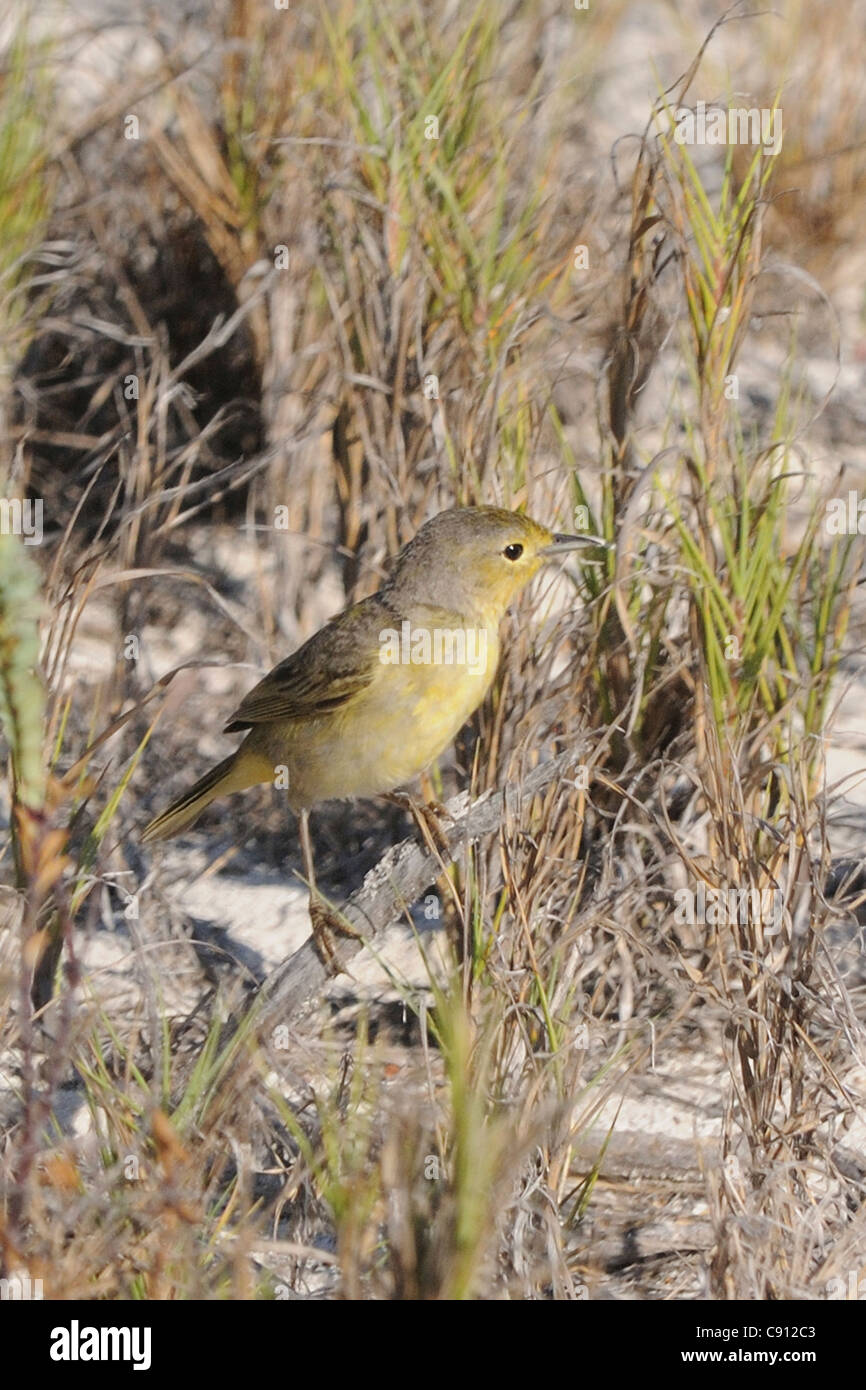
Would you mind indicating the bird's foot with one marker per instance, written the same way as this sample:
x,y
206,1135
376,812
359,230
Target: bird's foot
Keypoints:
x,y
427,816
327,924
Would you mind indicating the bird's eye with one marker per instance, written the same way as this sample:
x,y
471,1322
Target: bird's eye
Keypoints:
x,y
513,552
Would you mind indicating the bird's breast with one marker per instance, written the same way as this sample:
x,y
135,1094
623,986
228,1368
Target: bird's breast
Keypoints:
x,y
394,728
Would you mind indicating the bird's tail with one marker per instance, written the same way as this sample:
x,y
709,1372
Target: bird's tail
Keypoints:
x,y
233,774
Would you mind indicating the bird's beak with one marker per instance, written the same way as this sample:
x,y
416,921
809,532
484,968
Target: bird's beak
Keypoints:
x,y
560,544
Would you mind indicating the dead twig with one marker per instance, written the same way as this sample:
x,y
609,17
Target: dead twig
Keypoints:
x,y
393,885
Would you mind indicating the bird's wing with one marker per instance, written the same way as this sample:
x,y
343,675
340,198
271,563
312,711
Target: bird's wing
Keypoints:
x,y
337,663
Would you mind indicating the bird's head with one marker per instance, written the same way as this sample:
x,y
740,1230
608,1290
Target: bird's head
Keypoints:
x,y
474,560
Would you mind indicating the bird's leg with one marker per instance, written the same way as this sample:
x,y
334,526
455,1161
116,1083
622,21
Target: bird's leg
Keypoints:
x,y
426,815
325,922
430,801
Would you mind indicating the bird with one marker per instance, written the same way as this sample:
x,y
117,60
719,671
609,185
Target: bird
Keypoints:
x,y
376,695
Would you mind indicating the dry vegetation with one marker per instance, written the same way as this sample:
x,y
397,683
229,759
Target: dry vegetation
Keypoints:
x,y
226,288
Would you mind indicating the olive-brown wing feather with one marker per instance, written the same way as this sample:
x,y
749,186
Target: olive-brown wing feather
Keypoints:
x,y
335,664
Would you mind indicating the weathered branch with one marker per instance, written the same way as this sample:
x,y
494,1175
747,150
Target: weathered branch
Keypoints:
x,y
393,885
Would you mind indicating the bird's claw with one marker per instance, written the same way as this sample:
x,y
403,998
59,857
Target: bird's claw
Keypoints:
x,y
326,924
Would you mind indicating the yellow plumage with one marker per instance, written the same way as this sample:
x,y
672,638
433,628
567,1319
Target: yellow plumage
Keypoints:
x,y
336,719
